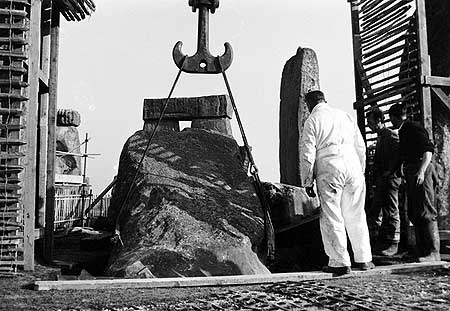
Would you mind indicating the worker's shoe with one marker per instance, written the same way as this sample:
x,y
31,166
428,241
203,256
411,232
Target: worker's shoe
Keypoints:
x,y
364,266
434,256
337,270
432,241
389,250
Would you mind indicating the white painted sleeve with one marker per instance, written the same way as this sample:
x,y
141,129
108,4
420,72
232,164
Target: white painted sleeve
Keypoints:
x,y
307,153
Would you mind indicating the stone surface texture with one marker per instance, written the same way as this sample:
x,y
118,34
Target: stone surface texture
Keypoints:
x,y
438,25
68,117
189,108
193,211
300,75
289,204
68,140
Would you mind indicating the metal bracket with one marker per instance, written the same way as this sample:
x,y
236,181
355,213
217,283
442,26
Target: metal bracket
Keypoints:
x,y
202,61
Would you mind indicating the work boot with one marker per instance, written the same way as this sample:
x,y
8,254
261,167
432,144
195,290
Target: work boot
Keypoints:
x,y
420,248
432,240
337,270
389,250
364,266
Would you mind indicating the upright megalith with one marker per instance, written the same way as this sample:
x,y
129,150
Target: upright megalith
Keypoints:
x,y
300,75
438,25
68,162
192,210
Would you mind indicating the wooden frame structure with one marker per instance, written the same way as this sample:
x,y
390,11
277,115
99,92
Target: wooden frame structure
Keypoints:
x,y
29,37
391,60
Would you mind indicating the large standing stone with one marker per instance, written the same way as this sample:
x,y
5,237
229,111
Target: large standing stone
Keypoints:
x,y
300,75
193,210
438,25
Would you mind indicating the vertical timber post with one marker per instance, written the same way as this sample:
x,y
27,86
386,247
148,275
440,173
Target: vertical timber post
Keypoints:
x,y
43,110
29,179
424,67
354,10
51,144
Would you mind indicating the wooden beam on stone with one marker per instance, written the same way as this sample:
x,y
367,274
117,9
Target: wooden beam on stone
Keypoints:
x,y
231,280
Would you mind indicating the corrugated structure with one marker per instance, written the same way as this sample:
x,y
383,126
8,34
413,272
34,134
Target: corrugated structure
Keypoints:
x,y
389,60
13,54
392,65
24,87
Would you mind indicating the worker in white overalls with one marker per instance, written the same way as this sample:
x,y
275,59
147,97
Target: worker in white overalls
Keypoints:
x,y
333,153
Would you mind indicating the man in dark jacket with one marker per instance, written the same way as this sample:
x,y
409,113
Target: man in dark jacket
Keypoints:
x,y
416,151
387,183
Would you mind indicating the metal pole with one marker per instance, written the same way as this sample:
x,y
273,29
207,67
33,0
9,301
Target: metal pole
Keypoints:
x,y
83,189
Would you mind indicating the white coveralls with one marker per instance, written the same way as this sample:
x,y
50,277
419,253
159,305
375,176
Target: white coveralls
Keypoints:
x,y
332,151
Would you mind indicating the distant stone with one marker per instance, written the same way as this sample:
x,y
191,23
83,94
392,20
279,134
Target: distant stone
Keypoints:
x,y
300,75
193,210
68,140
68,117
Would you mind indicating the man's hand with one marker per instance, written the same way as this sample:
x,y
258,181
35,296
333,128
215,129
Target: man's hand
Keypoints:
x,y
310,192
420,177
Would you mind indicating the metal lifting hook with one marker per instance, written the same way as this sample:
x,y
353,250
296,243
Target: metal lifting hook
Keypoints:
x,y
203,61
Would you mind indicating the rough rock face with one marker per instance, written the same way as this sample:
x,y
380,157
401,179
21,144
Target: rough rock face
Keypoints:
x,y
193,211
289,204
438,25
68,140
300,75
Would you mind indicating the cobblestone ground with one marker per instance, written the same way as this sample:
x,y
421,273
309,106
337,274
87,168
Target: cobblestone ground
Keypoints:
x,y
416,291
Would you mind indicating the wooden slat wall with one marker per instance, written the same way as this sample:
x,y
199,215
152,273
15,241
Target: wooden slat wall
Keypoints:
x,y
389,61
14,24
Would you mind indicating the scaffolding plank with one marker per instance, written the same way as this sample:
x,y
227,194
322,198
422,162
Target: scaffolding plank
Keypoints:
x,y
229,280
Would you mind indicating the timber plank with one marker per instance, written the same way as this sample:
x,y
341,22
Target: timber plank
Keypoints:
x,y
230,280
11,111
12,141
13,12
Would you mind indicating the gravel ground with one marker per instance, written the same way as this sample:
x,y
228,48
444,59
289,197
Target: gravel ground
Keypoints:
x,y
418,291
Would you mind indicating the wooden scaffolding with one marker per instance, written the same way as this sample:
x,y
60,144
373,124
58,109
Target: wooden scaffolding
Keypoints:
x,y
29,39
391,61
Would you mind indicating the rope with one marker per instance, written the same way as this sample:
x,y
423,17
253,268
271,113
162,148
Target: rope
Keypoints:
x,y
161,115
268,226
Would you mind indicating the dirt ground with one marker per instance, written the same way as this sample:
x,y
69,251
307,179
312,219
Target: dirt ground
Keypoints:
x,y
418,291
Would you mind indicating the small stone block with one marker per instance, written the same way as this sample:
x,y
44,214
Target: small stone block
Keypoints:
x,y
188,108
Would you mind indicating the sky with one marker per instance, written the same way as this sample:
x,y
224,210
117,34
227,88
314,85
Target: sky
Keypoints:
x,y
123,53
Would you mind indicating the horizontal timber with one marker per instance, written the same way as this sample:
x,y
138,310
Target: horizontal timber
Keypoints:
x,y
228,280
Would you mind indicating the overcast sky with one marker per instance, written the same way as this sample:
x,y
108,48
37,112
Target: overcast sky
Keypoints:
x,y
123,54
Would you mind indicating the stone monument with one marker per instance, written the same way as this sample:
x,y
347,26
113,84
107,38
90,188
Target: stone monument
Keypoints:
x,y
300,75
